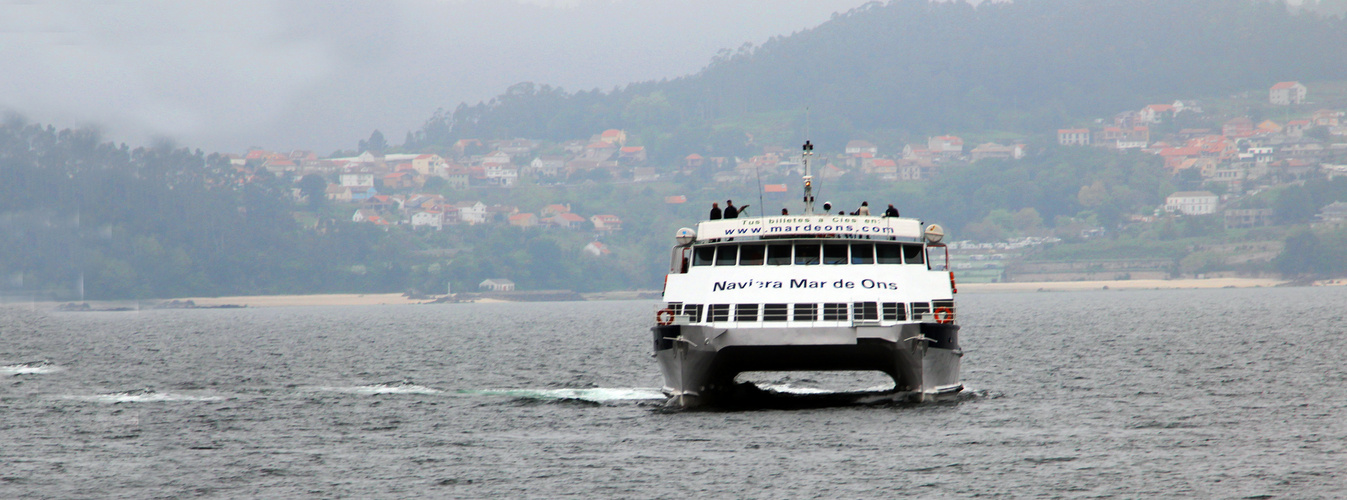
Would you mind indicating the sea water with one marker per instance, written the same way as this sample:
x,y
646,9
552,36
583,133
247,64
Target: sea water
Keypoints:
x,y
1198,393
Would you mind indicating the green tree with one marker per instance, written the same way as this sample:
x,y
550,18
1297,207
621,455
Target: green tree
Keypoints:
x,y
314,188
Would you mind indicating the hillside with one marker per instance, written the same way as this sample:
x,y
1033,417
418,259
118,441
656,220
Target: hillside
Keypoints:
x,y
908,68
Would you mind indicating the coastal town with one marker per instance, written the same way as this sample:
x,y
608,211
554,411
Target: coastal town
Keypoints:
x,y
1216,160
1229,157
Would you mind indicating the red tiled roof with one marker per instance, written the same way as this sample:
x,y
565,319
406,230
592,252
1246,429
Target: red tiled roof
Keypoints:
x,y
1284,85
774,188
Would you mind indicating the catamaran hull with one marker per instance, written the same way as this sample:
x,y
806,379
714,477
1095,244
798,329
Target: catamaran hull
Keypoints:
x,y
699,363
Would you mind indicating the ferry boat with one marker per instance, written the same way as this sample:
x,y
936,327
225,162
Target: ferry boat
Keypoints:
x,y
815,292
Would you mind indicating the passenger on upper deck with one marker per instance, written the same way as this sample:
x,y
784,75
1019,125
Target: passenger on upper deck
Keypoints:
x,y
891,212
865,208
730,211
715,211
785,212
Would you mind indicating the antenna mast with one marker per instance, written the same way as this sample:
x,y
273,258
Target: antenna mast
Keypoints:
x,y
808,178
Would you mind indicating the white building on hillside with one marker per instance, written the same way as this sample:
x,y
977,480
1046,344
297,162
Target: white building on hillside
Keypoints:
x,y
1192,202
1287,93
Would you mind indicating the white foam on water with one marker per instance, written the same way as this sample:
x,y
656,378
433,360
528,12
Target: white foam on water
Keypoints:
x,y
37,368
788,389
598,395
385,388
144,396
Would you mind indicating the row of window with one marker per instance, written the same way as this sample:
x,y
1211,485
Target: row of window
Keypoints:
x,y
806,254
829,311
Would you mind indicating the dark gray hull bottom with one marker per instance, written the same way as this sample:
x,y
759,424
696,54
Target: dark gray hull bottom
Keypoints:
x,y
699,363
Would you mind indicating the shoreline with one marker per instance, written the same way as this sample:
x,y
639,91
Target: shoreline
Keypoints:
x,y
379,299
1143,284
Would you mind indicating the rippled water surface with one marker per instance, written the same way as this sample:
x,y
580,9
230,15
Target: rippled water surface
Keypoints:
x,y
1216,393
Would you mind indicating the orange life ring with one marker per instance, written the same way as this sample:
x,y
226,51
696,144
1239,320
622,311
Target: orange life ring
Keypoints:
x,y
949,315
664,317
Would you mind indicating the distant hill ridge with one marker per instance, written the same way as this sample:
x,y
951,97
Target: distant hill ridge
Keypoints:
x,y
912,67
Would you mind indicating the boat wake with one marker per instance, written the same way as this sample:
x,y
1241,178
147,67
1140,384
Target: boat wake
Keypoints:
x,y
594,395
397,387
143,396
30,368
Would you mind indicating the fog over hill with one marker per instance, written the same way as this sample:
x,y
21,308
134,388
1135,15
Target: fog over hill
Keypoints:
x,y
909,68
224,76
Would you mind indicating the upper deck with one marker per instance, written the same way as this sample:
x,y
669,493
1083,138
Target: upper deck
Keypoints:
x,y
811,226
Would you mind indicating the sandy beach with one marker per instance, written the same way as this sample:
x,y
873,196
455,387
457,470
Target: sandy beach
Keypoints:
x,y
377,299
344,299
1058,286
1066,286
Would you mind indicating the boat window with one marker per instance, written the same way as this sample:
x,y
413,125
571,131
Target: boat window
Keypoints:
x,y
895,311
806,312
862,253
693,312
719,312
866,311
835,254
746,312
778,255
889,253
751,255
675,307
834,312
726,255
703,256
914,254
806,255
920,309
774,312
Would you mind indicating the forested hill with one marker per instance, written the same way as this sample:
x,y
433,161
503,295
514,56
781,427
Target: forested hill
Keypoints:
x,y
81,215
913,67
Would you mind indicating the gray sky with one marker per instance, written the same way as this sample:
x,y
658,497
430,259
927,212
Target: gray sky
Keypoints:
x,y
227,75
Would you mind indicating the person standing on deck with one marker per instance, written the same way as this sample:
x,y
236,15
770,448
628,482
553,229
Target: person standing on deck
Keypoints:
x,y
865,208
730,211
891,212
715,211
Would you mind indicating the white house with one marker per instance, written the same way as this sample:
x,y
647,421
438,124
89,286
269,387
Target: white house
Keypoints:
x,y
497,285
428,164
1192,202
357,180
548,165
861,147
1287,93
606,223
501,174
596,249
472,212
428,218
945,145
1073,136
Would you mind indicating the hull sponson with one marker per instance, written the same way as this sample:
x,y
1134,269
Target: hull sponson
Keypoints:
x,y
699,363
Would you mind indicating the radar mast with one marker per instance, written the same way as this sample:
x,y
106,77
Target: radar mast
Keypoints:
x,y
808,178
